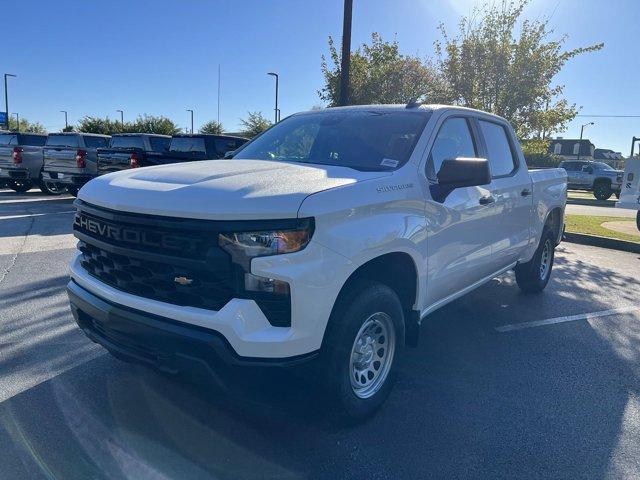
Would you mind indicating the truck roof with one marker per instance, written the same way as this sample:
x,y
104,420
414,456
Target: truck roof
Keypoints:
x,y
140,135
416,107
73,134
208,135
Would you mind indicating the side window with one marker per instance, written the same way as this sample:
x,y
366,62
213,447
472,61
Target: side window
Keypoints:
x,y
453,140
95,142
498,148
159,144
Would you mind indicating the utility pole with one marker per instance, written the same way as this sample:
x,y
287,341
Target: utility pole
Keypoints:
x,y
66,123
6,97
121,117
191,120
581,132
633,144
218,94
345,63
17,122
277,110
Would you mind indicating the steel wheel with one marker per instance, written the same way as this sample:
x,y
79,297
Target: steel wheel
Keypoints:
x,y
372,355
545,260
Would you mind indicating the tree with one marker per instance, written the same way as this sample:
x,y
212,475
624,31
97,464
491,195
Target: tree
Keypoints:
x,y
380,74
26,126
69,128
254,124
501,63
212,127
143,124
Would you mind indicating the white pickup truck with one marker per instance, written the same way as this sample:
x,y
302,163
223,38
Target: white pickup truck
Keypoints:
x,y
329,238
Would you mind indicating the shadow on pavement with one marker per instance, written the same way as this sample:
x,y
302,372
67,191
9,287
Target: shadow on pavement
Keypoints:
x,y
470,402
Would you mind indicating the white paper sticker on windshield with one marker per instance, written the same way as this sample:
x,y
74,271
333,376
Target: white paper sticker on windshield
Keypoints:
x,y
389,162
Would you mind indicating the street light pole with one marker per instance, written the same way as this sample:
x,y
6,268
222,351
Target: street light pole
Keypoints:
x,y
345,63
17,122
66,123
277,110
581,132
6,96
121,116
188,110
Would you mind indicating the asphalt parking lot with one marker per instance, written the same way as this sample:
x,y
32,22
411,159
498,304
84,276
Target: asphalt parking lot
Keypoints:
x,y
503,385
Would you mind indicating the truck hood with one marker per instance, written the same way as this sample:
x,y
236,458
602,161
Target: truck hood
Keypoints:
x,y
218,189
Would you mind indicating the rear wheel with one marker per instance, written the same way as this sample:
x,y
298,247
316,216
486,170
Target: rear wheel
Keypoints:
x,y
533,276
602,191
20,186
49,187
363,340
638,219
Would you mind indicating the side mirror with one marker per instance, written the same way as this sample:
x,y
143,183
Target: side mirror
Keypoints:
x,y
229,154
464,172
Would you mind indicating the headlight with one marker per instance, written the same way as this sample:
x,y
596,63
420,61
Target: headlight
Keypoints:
x,y
243,246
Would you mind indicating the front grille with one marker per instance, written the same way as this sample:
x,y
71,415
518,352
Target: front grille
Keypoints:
x,y
158,281
172,260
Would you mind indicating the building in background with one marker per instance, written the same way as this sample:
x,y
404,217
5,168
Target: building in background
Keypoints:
x,y
568,149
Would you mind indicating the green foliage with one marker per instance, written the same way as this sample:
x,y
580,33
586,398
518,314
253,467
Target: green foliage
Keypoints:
x,y
143,124
503,64
26,126
254,124
69,128
212,127
380,74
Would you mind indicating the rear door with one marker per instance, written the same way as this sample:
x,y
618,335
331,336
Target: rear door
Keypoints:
x,y
512,191
60,153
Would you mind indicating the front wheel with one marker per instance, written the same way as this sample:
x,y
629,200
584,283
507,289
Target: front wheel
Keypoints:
x,y
602,191
20,186
364,338
533,276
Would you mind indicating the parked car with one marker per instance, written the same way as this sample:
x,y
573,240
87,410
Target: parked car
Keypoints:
x,y
131,150
328,239
21,161
70,159
630,195
596,177
186,148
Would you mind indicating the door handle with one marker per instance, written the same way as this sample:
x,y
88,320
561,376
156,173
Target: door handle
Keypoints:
x,y
526,192
487,199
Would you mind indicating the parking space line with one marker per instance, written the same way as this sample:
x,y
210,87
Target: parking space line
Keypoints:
x,y
570,318
27,215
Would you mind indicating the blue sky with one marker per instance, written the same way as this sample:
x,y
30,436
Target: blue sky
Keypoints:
x,y
161,57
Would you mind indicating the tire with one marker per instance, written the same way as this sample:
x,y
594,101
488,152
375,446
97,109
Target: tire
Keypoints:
x,y
602,191
638,219
533,276
50,188
361,347
73,191
20,186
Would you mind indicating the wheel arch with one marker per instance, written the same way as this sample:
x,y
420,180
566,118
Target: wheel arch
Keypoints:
x,y
398,271
555,221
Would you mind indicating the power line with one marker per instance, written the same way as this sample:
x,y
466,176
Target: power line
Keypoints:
x,y
610,116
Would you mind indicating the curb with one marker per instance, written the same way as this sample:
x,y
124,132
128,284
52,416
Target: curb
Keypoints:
x,y
602,242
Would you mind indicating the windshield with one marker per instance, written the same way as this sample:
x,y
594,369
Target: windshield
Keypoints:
x,y
187,144
62,141
363,140
603,166
8,139
127,141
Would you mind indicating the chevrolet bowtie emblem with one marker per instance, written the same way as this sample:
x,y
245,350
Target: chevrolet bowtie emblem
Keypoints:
x,y
183,280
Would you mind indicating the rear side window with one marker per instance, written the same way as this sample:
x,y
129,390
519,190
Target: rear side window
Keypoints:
x,y
63,141
454,140
188,144
127,141
498,148
159,144
33,140
8,139
95,142
224,145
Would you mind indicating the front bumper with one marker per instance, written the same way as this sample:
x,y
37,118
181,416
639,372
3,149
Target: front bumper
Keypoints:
x,y
159,342
63,178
